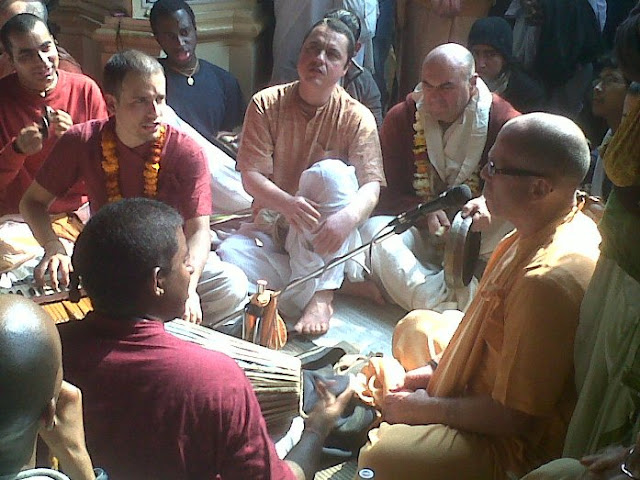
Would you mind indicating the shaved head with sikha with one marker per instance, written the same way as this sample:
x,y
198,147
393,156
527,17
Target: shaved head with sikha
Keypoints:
x,y
553,145
539,161
30,377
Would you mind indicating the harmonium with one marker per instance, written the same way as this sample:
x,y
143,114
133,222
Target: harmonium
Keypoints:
x,y
54,301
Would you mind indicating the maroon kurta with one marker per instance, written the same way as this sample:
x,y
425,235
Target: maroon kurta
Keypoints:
x,y
159,407
77,95
183,179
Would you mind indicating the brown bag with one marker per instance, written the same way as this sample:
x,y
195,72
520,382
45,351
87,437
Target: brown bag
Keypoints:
x,y
263,324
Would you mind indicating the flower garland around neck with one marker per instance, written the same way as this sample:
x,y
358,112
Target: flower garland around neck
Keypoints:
x,y
111,167
423,178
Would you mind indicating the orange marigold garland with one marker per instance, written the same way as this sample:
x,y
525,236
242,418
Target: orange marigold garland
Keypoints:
x,y
423,178
111,167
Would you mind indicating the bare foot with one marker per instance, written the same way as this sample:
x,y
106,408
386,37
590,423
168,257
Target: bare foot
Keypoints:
x,y
316,315
367,289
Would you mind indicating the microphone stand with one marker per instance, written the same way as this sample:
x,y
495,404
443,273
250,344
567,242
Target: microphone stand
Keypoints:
x,y
398,225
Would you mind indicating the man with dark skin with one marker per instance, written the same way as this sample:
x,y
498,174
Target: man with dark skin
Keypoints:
x,y
193,412
204,95
35,400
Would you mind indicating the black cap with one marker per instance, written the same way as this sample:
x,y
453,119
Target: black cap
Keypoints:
x,y
495,32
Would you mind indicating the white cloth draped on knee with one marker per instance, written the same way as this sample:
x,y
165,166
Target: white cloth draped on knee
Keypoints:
x,y
330,183
227,191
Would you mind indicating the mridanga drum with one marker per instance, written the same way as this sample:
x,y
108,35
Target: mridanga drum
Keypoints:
x,y
275,376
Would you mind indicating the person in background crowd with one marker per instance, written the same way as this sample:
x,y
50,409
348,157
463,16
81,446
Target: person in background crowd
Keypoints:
x,y
491,43
358,81
607,102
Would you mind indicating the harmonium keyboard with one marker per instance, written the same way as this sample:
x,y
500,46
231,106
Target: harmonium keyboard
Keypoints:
x,y
55,302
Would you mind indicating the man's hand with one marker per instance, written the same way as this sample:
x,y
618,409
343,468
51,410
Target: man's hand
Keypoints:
x,y
56,263
406,407
192,309
65,437
59,122
301,213
333,232
477,209
446,8
327,409
29,140
416,379
436,221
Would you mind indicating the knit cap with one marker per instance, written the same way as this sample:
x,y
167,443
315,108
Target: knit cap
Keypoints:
x,y
495,32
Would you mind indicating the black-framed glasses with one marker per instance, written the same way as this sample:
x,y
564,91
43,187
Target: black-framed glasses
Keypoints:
x,y
515,172
630,464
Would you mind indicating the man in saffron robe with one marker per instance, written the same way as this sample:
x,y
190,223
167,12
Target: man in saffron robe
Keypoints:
x,y
500,399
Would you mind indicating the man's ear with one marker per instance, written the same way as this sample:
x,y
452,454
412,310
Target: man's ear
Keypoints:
x,y
540,188
111,103
156,282
48,415
357,48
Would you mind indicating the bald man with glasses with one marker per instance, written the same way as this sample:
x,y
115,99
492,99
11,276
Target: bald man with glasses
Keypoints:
x,y
497,402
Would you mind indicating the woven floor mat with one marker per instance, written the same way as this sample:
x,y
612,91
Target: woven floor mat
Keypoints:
x,y
342,471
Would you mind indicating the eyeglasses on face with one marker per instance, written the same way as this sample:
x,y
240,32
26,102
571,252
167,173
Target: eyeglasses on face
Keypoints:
x,y
515,172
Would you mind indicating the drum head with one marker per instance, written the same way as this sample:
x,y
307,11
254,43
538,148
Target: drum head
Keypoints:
x,y
461,252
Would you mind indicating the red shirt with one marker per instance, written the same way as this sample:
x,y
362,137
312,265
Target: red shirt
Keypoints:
x,y
183,179
77,95
159,407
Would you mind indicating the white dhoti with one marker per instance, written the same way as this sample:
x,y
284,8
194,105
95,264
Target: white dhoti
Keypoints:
x,y
223,289
332,185
409,269
409,266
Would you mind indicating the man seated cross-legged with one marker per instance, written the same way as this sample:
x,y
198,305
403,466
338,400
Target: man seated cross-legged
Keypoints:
x,y
156,406
134,154
309,152
439,137
500,398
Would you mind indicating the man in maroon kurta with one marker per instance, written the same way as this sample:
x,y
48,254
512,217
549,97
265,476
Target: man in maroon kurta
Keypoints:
x,y
25,97
133,155
436,139
9,9
156,406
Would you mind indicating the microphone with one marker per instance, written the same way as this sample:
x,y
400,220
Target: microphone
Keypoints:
x,y
454,197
